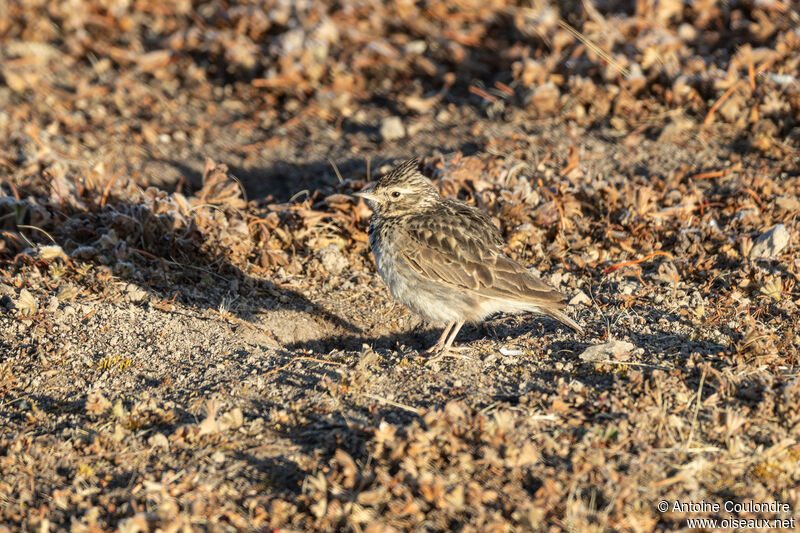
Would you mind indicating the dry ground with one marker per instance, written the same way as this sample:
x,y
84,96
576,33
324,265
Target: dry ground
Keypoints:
x,y
193,332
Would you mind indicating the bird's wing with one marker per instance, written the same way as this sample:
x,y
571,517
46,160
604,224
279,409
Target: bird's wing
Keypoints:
x,y
464,250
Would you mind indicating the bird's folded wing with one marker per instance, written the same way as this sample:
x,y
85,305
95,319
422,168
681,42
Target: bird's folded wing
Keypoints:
x,y
458,259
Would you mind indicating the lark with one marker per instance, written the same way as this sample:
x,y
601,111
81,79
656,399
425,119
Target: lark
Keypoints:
x,y
444,260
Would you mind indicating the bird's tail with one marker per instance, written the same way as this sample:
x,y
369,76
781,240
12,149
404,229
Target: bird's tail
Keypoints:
x,y
562,317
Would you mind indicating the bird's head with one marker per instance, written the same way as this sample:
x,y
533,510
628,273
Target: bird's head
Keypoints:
x,y
403,190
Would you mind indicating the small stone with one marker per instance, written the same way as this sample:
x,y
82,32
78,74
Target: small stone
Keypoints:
x,y
676,129
159,440
417,47
332,259
580,298
558,279
392,129
417,126
687,32
544,98
770,243
614,350
134,294
627,287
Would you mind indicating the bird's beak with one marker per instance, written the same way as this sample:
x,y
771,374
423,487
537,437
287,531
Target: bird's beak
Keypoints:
x,y
367,194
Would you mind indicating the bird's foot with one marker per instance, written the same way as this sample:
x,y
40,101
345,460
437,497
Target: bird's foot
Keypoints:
x,y
436,348
456,352
440,347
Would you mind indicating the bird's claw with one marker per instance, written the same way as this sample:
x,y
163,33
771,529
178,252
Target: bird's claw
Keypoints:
x,y
452,351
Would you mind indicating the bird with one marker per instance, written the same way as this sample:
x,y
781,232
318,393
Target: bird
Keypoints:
x,y
444,259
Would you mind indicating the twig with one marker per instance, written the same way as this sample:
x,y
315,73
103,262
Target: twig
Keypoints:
x,y
765,65
671,211
504,88
38,229
483,94
302,358
262,222
573,160
717,173
676,449
297,195
241,187
394,403
596,49
696,408
612,268
162,305
336,169
107,190
752,193
15,400
710,116
631,363
13,189
144,253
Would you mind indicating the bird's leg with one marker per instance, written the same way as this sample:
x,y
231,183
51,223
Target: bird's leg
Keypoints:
x,y
440,343
447,348
449,342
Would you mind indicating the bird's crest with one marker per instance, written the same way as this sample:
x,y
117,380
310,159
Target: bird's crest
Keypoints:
x,y
401,172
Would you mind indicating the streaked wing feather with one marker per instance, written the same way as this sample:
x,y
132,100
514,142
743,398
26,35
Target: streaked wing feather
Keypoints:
x,y
451,250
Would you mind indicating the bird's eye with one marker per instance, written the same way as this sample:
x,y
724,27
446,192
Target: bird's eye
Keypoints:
x,y
396,194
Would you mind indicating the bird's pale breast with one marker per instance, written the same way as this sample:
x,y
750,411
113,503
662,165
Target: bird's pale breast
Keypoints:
x,y
432,301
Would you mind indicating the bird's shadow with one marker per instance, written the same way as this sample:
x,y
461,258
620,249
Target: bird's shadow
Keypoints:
x,y
421,337
158,251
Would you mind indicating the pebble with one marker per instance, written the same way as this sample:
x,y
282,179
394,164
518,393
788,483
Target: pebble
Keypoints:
x,y
614,350
159,440
392,129
580,298
558,279
134,294
770,243
627,287
332,259
417,47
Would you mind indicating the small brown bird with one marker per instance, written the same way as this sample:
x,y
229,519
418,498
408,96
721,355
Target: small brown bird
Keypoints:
x,y
444,259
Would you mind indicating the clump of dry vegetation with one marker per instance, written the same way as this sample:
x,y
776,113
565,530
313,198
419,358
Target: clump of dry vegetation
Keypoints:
x,y
192,334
